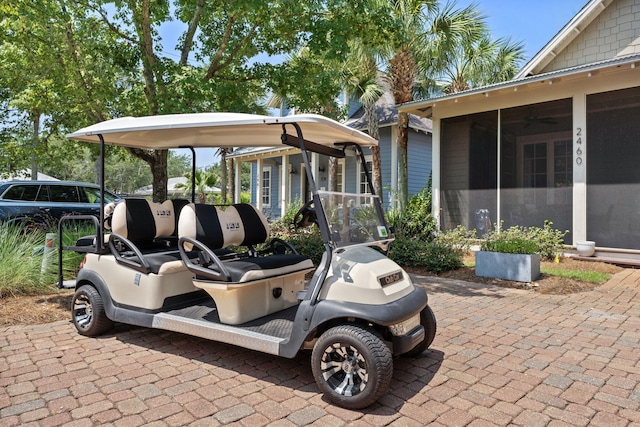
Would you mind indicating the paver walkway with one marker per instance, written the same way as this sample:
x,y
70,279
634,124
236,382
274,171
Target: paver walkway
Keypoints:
x,y
501,357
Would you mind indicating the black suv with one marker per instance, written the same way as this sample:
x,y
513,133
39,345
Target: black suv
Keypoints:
x,y
44,201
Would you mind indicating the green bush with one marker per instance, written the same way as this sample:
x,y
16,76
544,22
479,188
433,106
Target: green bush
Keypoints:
x,y
416,220
22,253
435,255
20,260
510,246
546,241
309,244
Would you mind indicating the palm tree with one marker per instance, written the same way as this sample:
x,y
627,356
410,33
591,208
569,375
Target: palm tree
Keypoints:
x,y
480,62
362,80
424,28
204,181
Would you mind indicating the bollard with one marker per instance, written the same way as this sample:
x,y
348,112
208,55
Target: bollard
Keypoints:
x,y
49,246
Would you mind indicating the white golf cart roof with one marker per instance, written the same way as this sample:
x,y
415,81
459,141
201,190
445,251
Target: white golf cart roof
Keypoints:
x,y
218,130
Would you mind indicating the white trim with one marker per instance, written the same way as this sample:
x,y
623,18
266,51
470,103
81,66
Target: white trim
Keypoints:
x,y
238,179
284,183
258,183
579,231
564,37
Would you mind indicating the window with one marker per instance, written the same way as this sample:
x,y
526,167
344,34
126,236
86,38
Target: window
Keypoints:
x,y
535,165
363,186
93,195
266,186
64,193
26,193
340,176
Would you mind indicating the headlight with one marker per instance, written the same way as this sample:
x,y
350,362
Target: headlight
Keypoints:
x,y
405,327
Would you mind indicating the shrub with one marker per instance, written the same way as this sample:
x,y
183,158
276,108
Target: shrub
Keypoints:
x,y
416,220
20,260
510,246
546,241
435,255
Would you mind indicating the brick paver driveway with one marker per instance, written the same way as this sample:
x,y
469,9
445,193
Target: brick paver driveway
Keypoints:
x,y
501,357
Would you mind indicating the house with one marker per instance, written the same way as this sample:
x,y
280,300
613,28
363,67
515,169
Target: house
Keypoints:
x,y
559,142
278,176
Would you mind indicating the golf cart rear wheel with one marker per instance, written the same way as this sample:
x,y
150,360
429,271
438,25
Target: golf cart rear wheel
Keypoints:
x,y
428,322
352,366
87,312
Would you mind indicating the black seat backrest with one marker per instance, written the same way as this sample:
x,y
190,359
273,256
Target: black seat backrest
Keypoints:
x,y
237,225
141,221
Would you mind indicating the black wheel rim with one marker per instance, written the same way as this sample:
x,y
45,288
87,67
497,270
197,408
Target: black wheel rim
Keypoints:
x,y
82,311
344,369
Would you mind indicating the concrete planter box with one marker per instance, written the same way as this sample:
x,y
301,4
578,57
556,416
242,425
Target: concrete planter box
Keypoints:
x,y
518,267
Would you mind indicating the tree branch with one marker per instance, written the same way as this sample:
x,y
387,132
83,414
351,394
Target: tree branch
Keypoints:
x,y
191,31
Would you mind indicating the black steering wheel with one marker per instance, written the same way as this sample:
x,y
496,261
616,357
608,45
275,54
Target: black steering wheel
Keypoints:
x,y
305,216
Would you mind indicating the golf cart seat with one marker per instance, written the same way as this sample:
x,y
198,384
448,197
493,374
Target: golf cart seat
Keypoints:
x,y
144,235
256,283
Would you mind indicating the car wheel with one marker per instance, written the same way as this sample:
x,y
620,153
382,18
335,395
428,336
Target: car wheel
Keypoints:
x,y
87,312
352,366
428,322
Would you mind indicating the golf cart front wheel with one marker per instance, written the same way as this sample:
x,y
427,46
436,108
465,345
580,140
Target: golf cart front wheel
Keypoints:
x,y
87,312
352,366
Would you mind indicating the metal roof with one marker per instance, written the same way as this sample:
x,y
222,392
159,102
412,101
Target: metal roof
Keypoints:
x,y
595,66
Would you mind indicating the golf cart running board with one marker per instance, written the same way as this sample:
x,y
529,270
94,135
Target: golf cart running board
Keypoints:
x,y
218,332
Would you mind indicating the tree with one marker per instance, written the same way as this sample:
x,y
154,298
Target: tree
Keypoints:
x,y
425,31
363,81
204,180
108,59
479,62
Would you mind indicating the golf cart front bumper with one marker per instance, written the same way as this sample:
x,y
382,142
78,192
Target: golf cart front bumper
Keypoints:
x,y
407,342
407,334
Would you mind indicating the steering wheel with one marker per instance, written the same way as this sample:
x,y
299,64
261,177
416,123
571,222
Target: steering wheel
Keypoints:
x,y
305,216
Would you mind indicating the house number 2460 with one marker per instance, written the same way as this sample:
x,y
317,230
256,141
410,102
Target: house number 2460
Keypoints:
x,y
579,144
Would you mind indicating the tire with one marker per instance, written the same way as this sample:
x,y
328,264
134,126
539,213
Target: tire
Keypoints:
x,y
87,312
352,366
428,322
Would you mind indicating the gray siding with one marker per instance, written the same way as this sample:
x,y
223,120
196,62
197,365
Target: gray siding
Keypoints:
x,y
419,154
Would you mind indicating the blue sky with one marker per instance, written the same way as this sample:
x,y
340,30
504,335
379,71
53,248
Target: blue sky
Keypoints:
x,y
534,23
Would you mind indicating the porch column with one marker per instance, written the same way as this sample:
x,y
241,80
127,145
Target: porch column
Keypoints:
x,y
284,185
238,179
435,170
579,231
315,165
259,165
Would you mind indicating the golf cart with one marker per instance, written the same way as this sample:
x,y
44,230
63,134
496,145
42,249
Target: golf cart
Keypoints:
x,y
212,271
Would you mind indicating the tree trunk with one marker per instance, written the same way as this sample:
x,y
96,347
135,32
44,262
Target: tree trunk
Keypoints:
x,y
157,160
333,174
402,70
403,165
36,142
373,128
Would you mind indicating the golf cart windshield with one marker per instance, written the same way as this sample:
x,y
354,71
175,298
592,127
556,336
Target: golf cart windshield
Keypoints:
x,y
355,219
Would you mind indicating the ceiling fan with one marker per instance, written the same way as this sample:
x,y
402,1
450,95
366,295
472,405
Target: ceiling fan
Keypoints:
x,y
533,118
